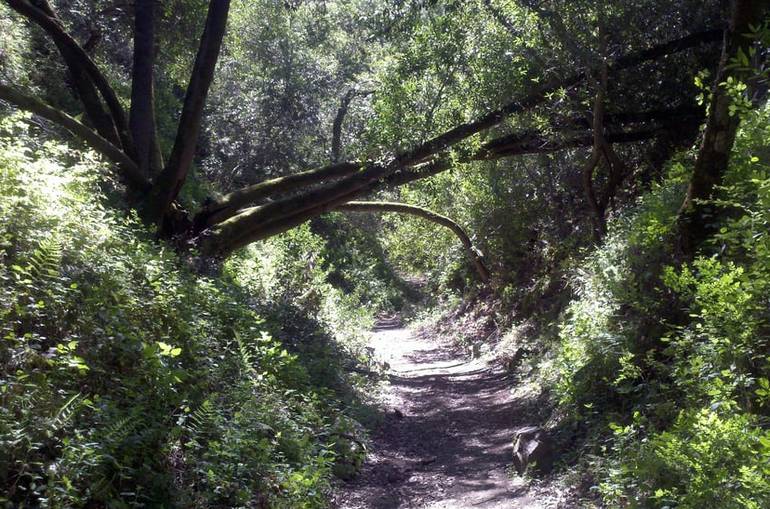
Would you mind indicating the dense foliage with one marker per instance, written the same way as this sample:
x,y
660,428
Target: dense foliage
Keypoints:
x,y
673,357
129,380
174,335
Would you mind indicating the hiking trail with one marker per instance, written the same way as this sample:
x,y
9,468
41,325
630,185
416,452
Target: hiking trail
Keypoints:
x,y
447,439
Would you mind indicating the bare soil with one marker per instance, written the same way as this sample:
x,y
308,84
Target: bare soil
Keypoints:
x,y
447,439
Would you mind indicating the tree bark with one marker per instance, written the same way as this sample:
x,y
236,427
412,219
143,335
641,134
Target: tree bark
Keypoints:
x,y
142,114
697,217
474,254
170,180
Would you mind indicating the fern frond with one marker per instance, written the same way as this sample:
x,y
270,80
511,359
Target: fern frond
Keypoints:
x,y
202,419
67,412
248,354
45,262
119,430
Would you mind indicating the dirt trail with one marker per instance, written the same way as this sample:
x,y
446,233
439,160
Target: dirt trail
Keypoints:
x,y
446,442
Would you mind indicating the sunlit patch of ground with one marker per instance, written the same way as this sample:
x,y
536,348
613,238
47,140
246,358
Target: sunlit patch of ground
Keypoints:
x,y
447,440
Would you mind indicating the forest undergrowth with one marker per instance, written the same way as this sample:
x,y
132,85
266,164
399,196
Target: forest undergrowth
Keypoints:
x,y
128,379
131,379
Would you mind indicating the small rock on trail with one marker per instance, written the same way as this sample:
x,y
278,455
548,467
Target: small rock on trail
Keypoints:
x,y
447,439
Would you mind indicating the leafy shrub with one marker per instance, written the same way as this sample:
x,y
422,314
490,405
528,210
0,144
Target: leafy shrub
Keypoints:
x,y
706,459
127,380
675,360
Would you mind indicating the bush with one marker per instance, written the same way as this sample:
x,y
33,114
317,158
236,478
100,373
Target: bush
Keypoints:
x,y
674,359
706,459
127,380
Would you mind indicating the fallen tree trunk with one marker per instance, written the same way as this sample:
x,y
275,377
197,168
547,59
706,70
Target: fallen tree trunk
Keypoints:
x,y
263,221
231,203
528,142
474,254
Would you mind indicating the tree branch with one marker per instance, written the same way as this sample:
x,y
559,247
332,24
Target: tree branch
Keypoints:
x,y
541,93
84,87
80,59
173,176
473,253
342,111
337,126
664,116
129,168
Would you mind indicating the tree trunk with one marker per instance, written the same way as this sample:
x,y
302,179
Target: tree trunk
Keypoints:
x,y
260,222
697,217
337,126
142,115
597,152
230,204
173,176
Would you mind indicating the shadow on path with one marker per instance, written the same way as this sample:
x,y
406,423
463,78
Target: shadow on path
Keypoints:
x,y
449,443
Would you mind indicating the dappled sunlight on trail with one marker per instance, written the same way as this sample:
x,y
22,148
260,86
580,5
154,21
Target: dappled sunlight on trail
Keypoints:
x,y
446,442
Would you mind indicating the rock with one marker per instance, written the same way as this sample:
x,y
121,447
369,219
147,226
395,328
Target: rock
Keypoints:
x,y
532,447
398,413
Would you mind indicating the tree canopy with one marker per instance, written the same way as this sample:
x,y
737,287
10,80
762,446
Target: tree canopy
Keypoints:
x,y
417,87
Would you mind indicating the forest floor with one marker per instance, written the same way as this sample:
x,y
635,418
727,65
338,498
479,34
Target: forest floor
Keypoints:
x,y
446,441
